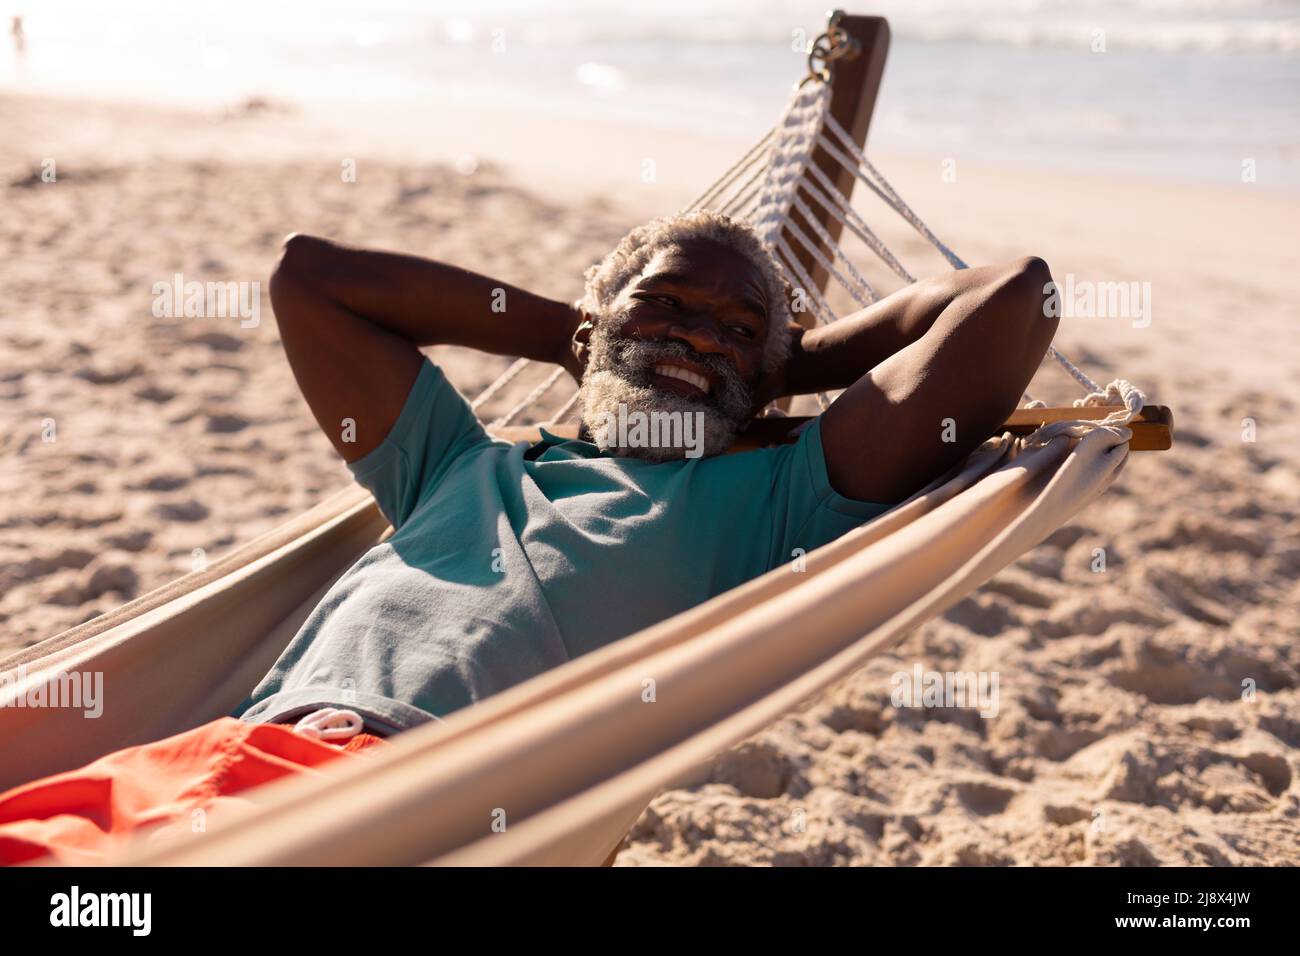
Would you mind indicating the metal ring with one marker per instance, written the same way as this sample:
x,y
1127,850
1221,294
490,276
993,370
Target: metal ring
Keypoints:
x,y
832,45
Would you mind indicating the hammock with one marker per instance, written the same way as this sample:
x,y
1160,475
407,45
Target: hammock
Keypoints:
x,y
568,760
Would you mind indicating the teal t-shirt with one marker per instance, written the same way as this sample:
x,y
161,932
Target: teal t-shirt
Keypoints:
x,y
508,560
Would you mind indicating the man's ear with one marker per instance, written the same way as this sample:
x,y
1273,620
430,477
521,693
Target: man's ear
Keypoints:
x,y
586,324
580,344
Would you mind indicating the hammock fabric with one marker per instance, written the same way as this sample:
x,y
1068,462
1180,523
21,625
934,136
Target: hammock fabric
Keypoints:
x,y
556,770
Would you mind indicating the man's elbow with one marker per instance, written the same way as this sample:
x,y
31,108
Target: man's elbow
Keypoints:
x,y
299,264
1028,276
1019,319
300,256
1026,291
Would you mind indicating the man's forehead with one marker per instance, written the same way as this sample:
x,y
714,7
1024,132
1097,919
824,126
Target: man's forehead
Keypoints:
x,y
705,263
672,254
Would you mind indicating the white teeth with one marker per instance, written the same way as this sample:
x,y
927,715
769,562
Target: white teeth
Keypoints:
x,y
676,371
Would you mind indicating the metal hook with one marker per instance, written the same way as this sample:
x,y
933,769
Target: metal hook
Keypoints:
x,y
834,44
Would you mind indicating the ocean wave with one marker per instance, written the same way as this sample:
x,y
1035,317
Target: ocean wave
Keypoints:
x,y
1256,36
1157,35
671,27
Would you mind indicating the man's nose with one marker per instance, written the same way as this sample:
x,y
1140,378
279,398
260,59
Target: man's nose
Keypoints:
x,y
699,332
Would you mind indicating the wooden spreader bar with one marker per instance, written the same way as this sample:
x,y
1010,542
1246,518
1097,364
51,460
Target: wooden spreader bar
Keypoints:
x,y
1153,429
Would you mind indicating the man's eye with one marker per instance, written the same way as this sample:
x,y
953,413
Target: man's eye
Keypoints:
x,y
744,330
659,299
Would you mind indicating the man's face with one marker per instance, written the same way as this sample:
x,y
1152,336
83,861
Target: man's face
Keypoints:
x,y
686,337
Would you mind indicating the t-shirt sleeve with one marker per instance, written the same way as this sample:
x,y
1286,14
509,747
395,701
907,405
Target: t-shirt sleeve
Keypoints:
x,y
808,512
436,425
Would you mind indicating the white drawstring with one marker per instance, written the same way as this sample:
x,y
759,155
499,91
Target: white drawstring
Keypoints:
x,y
330,723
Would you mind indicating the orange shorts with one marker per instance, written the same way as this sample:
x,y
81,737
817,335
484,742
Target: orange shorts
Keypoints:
x,y
78,817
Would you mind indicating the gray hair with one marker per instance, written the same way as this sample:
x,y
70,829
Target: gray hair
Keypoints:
x,y
607,278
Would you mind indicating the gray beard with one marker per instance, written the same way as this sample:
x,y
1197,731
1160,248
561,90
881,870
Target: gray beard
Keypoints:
x,y
617,384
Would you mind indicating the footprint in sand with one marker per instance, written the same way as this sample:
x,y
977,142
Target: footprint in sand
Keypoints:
x,y
984,798
188,510
110,573
38,566
218,341
133,541
227,424
109,374
163,482
153,393
756,770
984,614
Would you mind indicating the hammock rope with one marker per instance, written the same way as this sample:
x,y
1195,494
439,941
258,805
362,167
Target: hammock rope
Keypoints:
x,y
790,156
506,377
861,164
763,187
755,153
853,221
530,399
861,290
866,173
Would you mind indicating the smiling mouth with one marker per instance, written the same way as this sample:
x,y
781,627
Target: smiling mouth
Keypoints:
x,y
682,380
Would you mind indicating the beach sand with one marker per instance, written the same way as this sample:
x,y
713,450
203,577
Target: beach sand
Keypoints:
x,y
1123,734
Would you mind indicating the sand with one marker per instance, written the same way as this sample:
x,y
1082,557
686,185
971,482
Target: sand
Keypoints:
x,y
1122,735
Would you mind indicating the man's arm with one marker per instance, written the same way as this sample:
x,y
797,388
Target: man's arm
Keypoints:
x,y
832,357
352,321
961,347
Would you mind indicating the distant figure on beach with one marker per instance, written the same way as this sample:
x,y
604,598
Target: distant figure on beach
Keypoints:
x,y
19,38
